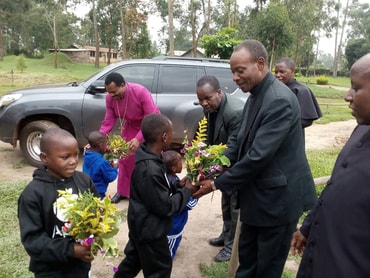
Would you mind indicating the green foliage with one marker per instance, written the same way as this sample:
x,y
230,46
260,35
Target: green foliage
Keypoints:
x,y
221,44
322,161
21,63
13,256
355,49
274,29
322,80
335,81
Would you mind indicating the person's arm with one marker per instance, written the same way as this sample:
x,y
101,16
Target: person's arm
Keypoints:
x,y
275,124
109,117
148,107
154,193
108,172
35,240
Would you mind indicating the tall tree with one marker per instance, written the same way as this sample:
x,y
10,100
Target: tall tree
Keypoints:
x,y
170,28
274,29
338,45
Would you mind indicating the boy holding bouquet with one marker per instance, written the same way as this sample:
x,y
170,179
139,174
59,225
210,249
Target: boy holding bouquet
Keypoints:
x,y
53,255
95,165
151,204
173,162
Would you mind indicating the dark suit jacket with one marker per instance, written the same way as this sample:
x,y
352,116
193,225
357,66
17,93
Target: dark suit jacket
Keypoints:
x,y
227,121
269,168
337,229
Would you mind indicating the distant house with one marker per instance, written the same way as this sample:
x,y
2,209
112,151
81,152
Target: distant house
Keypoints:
x,y
86,54
187,53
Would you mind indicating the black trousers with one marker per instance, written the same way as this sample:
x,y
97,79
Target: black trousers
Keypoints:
x,y
264,250
230,218
152,257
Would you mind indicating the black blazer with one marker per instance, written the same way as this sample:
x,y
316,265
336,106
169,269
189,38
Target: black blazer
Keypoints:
x,y
227,121
270,168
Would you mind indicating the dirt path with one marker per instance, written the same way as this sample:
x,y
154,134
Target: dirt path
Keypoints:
x,y
205,220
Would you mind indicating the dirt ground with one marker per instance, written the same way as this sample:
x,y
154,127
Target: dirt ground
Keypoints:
x,y
205,221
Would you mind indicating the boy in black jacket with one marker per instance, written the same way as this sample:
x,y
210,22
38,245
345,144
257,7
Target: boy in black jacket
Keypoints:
x,y
151,204
53,255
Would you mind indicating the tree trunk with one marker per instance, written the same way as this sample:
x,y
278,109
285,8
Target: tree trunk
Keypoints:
x,y
193,31
171,42
316,54
1,43
272,53
339,49
55,42
96,32
123,31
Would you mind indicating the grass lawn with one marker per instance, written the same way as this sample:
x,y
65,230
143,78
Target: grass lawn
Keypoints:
x,y
41,71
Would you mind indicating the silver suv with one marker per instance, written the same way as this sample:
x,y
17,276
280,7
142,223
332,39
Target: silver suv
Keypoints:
x,y
79,107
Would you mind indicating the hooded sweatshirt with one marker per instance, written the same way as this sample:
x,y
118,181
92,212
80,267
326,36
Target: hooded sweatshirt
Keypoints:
x,y
40,228
99,170
151,204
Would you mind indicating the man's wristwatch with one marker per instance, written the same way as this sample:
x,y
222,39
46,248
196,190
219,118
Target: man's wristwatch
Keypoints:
x,y
213,185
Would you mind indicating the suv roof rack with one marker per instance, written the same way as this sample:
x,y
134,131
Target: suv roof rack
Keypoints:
x,y
215,60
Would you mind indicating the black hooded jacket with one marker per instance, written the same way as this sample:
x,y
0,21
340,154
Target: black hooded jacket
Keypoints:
x,y
152,204
49,251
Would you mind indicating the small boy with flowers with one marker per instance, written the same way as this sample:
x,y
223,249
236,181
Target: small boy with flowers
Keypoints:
x,y
52,254
173,162
95,165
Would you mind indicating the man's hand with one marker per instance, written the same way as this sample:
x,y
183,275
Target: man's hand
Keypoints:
x,y
204,188
297,243
133,144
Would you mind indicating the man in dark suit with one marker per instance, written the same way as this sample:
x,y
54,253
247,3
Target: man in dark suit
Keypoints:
x,y
334,238
269,166
223,114
310,109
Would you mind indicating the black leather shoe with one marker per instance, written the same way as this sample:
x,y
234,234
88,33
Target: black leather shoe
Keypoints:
x,y
223,256
116,198
218,242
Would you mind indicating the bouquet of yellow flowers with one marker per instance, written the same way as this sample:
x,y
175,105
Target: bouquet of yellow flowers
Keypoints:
x,y
89,220
117,148
203,161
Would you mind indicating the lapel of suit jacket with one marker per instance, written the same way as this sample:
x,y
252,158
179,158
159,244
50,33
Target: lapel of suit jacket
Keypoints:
x,y
252,108
219,120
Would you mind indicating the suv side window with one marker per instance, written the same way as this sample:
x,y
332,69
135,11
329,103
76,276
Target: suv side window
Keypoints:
x,y
225,77
178,79
141,74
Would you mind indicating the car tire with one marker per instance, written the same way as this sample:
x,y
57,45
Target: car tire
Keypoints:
x,y
29,140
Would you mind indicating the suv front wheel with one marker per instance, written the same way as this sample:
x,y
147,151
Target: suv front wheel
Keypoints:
x,y
29,140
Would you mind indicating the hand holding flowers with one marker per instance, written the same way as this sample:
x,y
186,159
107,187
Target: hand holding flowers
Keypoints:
x,y
89,220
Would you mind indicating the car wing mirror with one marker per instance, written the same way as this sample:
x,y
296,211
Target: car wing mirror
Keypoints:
x,y
97,87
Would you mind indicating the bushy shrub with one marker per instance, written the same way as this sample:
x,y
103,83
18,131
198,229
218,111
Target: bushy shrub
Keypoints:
x,y
322,80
